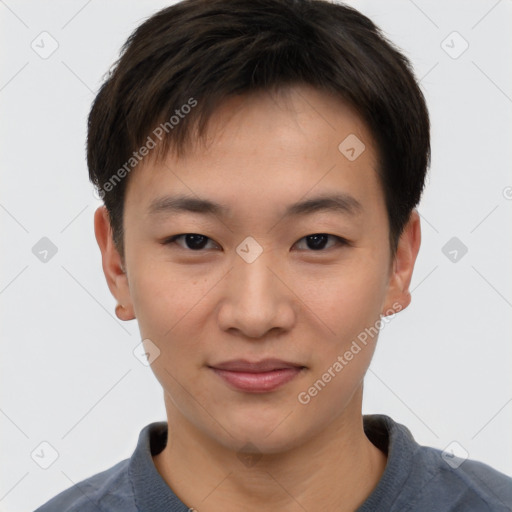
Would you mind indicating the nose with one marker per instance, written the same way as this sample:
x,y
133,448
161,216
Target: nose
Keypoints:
x,y
257,299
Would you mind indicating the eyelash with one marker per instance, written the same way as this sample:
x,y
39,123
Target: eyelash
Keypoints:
x,y
172,240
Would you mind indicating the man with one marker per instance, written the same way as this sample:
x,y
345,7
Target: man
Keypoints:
x,y
260,163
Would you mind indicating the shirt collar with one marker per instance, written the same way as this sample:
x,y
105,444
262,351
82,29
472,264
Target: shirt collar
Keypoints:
x,y
398,443
152,494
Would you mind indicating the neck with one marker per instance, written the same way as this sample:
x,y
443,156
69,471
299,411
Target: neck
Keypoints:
x,y
334,471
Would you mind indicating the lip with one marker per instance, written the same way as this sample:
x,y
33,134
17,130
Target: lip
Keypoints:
x,y
259,376
265,365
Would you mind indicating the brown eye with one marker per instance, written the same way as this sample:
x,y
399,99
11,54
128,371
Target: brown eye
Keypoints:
x,y
319,241
192,241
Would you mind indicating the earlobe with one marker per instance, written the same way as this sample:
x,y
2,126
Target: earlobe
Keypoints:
x,y
403,265
123,313
112,264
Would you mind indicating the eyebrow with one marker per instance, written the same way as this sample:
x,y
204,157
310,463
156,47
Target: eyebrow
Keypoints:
x,y
340,203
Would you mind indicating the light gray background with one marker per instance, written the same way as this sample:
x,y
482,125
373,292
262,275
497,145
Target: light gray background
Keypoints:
x,y
69,377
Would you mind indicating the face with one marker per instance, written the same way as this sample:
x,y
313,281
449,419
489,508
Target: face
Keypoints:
x,y
262,277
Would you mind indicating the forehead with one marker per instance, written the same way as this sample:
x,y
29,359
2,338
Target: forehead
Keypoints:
x,y
278,146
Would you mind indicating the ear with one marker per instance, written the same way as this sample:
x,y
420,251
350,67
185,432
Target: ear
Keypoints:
x,y
403,266
113,268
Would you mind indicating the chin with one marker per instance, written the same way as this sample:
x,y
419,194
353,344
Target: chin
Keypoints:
x,y
271,434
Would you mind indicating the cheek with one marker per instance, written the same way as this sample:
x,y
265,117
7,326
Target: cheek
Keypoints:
x,y
164,295
344,344
170,311
170,308
344,302
348,306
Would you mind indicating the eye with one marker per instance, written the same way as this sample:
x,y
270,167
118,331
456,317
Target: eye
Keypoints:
x,y
193,241
197,242
318,241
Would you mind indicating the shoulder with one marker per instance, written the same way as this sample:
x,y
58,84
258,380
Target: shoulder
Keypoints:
x,y
107,490
471,484
421,478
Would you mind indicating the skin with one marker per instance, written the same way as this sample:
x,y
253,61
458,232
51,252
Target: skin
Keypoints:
x,y
293,303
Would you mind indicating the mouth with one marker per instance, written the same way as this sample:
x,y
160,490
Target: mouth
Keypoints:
x,y
257,377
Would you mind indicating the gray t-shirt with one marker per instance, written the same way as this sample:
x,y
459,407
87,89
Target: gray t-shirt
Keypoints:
x,y
417,478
